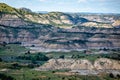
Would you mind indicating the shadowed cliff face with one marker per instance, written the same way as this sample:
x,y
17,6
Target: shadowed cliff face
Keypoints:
x,y
79,31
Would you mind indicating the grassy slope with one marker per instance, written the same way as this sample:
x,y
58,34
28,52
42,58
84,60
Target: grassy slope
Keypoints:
x,y
28,74
6,8
12,49
25,73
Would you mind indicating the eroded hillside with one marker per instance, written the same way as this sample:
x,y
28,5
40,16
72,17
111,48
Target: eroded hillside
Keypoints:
x,y
56,30
82,64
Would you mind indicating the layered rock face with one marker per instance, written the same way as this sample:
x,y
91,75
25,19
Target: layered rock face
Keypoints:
x,y
9,14
53,38
72,64
82,39
11,20
79,31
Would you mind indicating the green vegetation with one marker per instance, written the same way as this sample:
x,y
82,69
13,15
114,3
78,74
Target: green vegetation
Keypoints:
x,y
17,53
28,74
17,70
91,55
5,8
18,63
62,56
33,57
5,77
22,53
12,49
66,54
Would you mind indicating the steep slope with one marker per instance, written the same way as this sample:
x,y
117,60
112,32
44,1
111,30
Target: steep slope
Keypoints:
x,y
44,32
5,8
10,16
99,20
96,24
59,19
82,38
24,33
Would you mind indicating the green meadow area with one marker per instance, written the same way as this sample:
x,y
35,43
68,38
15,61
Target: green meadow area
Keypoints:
x,y
18,63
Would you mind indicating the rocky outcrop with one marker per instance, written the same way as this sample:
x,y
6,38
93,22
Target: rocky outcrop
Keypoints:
x,y
102,18
42,30
72,64
99,25
48,37
26,33
116,23
11,20
82,39
57,19
107,64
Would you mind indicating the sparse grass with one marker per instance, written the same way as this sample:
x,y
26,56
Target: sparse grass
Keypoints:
x,y
28,74
6,9
12,49
25,73
91,55
4,65
66,54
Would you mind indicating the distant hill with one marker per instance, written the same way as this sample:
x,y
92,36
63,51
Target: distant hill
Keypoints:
x,y
43,12
62,20
57,30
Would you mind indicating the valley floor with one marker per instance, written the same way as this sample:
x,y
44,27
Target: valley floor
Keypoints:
x,y
18,63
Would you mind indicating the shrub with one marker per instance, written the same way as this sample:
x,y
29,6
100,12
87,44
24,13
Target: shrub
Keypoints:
x,y
111,75
5,77
118,75
62,56
31,65
0,59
